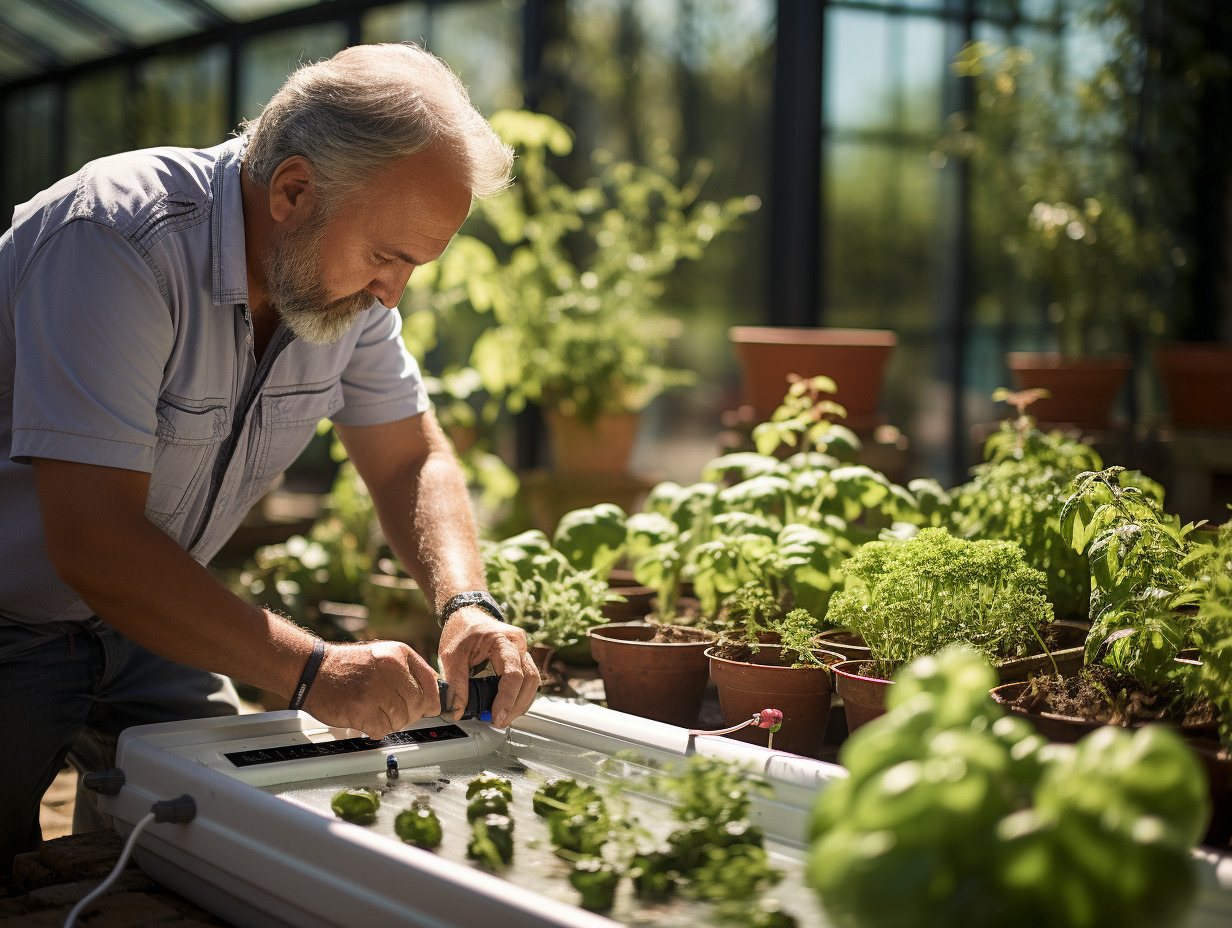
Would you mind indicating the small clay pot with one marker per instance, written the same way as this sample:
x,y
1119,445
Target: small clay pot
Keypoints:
x,y
665,681
845,642
802,694
863,696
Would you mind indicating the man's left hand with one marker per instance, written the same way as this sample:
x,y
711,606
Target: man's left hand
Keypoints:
x,y
469,638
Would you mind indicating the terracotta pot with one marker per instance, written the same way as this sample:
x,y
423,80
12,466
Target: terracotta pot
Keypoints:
x,y
1067,728
1197,378
639,603
863,696
845,642
1067,655
665,681
602,448
1083,388
854,358
802,694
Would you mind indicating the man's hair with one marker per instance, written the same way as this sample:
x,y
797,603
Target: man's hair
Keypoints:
x,y
353,114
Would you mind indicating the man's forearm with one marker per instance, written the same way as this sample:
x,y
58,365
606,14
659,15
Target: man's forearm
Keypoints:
x,y
428,522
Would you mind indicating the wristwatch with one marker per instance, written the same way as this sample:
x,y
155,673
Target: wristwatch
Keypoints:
x,y
480,598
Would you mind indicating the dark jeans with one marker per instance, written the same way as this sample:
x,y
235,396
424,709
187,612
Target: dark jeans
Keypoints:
x,y
69,695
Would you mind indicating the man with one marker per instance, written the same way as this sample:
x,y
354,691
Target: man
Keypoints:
x,y
173,325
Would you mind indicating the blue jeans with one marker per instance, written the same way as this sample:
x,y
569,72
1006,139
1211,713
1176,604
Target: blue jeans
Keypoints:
x,y
68,695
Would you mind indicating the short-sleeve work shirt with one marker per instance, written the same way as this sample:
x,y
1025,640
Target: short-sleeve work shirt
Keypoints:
x,y
126,341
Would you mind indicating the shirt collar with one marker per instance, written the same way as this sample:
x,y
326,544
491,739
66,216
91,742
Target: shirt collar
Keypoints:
x,y
230,276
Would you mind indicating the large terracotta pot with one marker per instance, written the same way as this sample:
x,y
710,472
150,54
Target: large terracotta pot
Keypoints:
x,y
802,694
863,696
1068,728
854,358
665,681
1197,378
1083,389
600,448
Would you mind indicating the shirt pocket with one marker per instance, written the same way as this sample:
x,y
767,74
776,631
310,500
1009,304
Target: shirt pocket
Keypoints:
x,y
288,421
189,433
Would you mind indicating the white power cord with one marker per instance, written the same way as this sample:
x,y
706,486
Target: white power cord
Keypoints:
x,y
115,872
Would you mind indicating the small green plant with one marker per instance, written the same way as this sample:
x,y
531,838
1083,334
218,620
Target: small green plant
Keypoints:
x,y
1017,494
1212,631
1143,563
955,814
419,825
356,805
542,593
914,597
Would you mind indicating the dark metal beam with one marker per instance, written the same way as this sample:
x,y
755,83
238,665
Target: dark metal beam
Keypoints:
x,y
795,184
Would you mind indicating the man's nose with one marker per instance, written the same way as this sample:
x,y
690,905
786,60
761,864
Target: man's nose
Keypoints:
x,y
388,287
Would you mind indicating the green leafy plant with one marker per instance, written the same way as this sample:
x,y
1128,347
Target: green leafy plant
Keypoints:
x,y
356,805
1017,494
542,593
1142,567
1212,631
953,813
592,538
419,825
908,598
573,277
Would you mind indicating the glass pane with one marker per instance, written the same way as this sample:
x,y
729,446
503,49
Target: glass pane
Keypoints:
x,y
482,41
399,22
247,10
144,21
95,117
63,36
884,231
30,166
925,64
857,81
181,100
266,62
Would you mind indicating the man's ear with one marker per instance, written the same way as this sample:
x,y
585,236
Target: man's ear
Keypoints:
x,y
292,189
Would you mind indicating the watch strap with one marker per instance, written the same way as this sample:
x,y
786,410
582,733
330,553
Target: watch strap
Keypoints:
x,y
481,598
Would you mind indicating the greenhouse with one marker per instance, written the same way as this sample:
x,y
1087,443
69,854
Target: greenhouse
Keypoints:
x,y
591,462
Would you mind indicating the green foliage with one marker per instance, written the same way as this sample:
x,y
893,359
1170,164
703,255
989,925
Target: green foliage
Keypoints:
x,y
1143,562
800,418
1017,495
541,592
593,538
1212,630
953,813
914,597
332,562
573,276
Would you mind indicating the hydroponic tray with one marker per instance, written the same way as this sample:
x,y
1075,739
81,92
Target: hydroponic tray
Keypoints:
x,y
265,849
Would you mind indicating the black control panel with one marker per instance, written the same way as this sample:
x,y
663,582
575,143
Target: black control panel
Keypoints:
x,y
346,746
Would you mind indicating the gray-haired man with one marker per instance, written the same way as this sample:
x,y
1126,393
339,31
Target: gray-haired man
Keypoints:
x,y
173,325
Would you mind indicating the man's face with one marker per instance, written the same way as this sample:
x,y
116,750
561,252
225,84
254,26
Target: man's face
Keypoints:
x,y
296,290
323,273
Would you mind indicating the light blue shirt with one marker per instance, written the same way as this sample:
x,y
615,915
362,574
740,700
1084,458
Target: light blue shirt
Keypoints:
x,y
125,341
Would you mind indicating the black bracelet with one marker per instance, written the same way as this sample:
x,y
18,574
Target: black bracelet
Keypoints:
x,y
309,674
480,598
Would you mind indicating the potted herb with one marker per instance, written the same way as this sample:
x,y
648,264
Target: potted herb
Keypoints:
x,y
907,598
1143,563
543,594
954,814
790,675
573,278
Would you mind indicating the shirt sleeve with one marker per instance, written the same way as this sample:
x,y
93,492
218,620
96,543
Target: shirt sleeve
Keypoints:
x,y
93,335
381,382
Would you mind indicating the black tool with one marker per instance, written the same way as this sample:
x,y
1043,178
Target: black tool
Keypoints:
x,y
480,693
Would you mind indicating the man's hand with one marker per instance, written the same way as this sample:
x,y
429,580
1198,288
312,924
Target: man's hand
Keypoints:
x,y
376,687
469,638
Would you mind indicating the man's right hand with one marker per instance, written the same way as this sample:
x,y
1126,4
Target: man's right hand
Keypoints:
x,y
376,687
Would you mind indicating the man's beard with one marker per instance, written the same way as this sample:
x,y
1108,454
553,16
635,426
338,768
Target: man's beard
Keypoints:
x,y
295,290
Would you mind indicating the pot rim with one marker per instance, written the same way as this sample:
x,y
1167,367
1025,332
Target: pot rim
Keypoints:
x,y
826,666
596,631
828,336
1186,729
847,669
